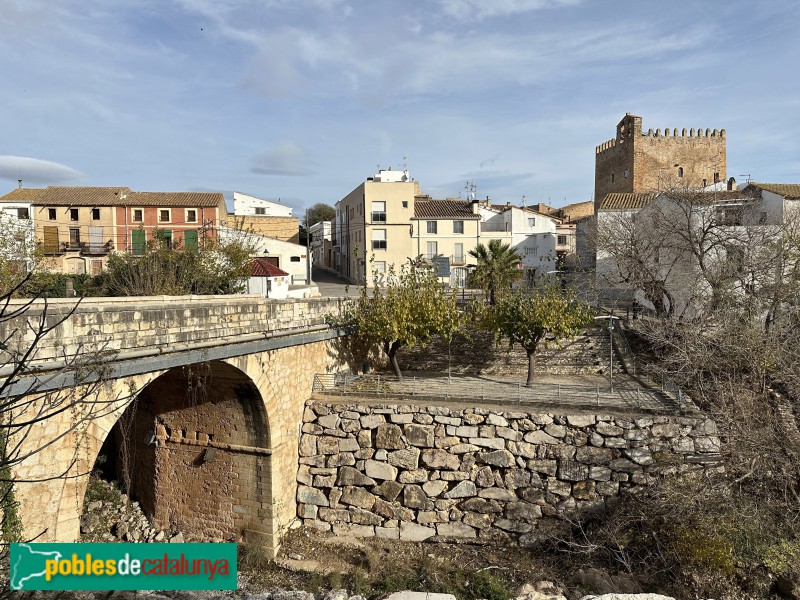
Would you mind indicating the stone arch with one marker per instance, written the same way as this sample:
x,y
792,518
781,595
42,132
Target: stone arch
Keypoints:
x,y
193,448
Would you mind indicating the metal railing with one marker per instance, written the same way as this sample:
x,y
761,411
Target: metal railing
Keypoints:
x,y
511,393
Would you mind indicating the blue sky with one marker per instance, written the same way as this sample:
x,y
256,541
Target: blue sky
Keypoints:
x,y
303,99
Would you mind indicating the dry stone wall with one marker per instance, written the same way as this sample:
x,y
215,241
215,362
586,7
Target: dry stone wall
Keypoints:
x,y
412,473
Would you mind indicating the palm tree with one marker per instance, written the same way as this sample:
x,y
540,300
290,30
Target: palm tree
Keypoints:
x,y
497,268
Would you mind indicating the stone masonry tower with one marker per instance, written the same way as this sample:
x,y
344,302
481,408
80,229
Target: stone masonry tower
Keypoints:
x,y
651,162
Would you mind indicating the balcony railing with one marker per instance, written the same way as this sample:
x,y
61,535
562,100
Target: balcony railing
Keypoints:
x,y
494,226
88,248
458,259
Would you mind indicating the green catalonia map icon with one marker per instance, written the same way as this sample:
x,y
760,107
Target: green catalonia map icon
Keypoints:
x,y
27,566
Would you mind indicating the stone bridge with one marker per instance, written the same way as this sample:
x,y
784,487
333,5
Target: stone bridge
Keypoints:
x,y
198,409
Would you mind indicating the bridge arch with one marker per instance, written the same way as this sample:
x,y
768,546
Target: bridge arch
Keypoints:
x,y
194,448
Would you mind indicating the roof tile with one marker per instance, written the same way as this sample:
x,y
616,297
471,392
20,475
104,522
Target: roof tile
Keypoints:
x,y
443,209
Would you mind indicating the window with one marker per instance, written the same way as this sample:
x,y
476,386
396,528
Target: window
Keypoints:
x,y
138,215
379,266
97,267
163,215
379,239
138,241
379,212
531,221
562,240
458,226
261,210
22,213
432,249
95,214
680,171
191,215
73,214
458,254
190,239
405,203
294,259
531,251
164,236
51,214
625,174
612,178
74,237
432,228
51,245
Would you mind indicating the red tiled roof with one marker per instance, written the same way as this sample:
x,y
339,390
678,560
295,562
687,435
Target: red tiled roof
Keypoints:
x,y
110,196
262,268
787,190
443,209
626,201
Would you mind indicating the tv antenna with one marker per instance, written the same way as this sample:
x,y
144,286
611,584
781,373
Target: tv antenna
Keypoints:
x,y
523,200
472,188
747,178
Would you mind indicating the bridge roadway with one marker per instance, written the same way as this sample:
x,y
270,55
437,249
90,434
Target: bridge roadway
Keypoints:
x,y
178,376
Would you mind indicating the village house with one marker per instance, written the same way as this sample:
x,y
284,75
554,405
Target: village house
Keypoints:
x,y
78,227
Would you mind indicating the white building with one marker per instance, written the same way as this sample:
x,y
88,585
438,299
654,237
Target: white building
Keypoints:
x,y
321,253
287,256
245,205
530,233
18,242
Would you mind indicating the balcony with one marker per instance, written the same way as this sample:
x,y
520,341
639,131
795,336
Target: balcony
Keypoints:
x,y
458,259
86,248
490,227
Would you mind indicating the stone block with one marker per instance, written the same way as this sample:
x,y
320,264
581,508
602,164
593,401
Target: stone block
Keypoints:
x,y
540,437
421,436
498,458
500,494
465,489
440,459
405,459
581,420
388,490
414,497
389,437
356,496
380,470
457,530
411,532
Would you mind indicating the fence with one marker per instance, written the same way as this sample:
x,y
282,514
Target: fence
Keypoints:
x,y
486,391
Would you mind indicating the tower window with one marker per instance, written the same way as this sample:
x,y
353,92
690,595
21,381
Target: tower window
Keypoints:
x,y
680,171
626,173
612,178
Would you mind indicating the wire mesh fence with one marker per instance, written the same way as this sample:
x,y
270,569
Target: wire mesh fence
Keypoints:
x,y
480,390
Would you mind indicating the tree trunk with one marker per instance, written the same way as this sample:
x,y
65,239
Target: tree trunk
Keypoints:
x,y
391,352
531,366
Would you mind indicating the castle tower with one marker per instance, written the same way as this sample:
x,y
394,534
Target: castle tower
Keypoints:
x,y
652,162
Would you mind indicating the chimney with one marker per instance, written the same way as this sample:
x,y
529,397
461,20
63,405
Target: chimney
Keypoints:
x,y
475,207
731,184
19,183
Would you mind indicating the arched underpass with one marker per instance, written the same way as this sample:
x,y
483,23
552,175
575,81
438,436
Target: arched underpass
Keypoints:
x,y
193,449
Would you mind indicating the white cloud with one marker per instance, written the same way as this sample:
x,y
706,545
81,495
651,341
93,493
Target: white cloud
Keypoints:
x,y
286,158
35,170
465,10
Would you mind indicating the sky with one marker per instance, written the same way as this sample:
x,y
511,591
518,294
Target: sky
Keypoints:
x,y
302,100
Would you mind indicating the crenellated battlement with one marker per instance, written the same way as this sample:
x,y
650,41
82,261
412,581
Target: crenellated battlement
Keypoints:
x,y
692,133
668,132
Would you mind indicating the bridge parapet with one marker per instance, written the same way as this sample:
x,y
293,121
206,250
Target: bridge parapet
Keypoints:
x,y
129,324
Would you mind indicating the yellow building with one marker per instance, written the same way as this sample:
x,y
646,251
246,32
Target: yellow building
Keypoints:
x,y
372,229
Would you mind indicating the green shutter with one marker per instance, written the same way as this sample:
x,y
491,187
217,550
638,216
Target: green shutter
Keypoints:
x,y
190,240
139,241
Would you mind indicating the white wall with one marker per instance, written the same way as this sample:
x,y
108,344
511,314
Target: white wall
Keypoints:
x,y
264,246
244,205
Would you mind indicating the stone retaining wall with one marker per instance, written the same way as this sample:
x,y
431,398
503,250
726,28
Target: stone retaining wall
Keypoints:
x,y
411,473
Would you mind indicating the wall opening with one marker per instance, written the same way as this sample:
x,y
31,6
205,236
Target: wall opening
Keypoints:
x,y
193,450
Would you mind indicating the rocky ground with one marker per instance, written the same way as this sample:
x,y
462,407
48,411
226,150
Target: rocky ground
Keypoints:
x,y
315,565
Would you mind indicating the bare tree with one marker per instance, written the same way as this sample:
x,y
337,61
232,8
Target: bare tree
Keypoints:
x,y
66,386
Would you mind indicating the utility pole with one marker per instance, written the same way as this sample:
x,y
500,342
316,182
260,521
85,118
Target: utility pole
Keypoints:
x,y
308,250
